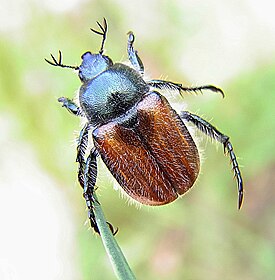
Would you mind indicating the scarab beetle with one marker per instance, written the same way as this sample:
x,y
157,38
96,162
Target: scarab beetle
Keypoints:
x,y
142,140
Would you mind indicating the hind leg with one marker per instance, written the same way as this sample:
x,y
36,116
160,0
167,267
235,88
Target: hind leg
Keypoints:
x,y
211,131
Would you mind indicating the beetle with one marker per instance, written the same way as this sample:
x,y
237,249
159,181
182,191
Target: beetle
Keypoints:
x,y
142,140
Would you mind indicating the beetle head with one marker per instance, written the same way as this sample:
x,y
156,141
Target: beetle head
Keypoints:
x,y
92,65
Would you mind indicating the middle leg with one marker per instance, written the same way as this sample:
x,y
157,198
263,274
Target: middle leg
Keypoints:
x,y
161,84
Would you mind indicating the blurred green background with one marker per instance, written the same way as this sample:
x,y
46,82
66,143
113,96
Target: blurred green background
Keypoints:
x,y
44,231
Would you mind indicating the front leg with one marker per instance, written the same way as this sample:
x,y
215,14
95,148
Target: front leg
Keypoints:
x,y
211,131
70,106
133,55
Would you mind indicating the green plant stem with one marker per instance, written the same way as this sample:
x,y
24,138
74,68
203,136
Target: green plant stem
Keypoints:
x,y
117,259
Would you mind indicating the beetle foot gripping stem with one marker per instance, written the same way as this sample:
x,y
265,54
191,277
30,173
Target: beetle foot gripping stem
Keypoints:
x,y
90,200
89,178
91,215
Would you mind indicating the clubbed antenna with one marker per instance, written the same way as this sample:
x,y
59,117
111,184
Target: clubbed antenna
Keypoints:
x,y
58,62
103,33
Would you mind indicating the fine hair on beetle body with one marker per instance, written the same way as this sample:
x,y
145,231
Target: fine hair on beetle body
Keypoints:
x,y
142,140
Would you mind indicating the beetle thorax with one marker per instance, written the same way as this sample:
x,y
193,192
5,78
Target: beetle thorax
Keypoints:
x,y
111,93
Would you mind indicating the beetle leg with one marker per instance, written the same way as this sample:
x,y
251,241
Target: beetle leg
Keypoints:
x,y
87,173
90,174
161,84
80,156
70,106
133,55
211,131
